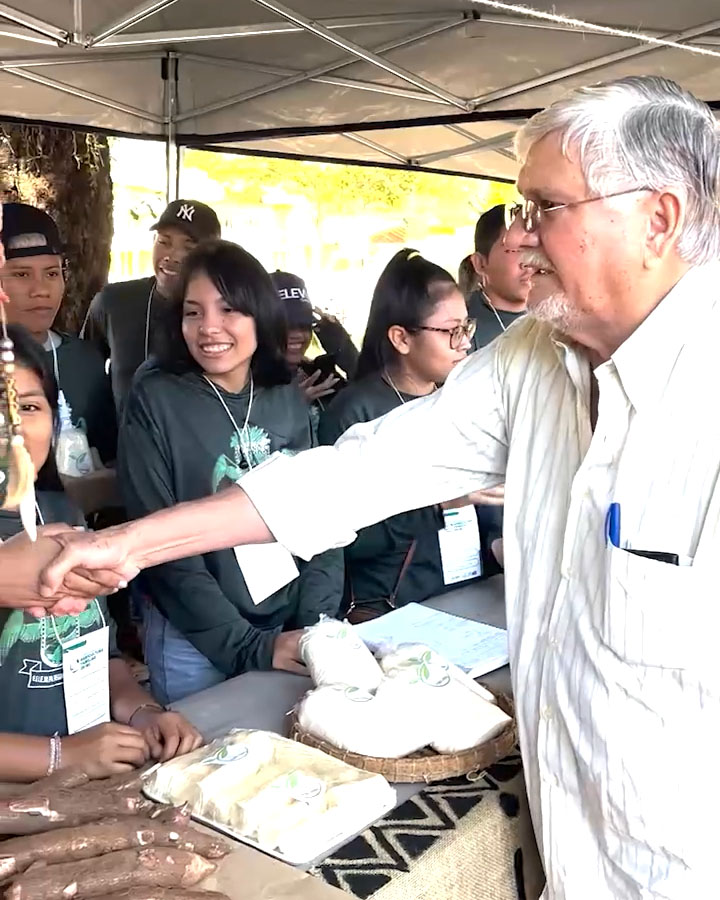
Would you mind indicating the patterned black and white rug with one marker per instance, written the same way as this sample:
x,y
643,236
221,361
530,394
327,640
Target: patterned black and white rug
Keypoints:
x,y
424,824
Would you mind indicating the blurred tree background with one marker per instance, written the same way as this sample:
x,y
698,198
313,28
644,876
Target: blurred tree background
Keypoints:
x,y
66,173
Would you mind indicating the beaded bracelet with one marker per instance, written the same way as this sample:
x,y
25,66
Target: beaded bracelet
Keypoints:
x,y
55,753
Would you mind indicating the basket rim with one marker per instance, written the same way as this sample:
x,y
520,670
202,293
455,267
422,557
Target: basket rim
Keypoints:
x,y
426,765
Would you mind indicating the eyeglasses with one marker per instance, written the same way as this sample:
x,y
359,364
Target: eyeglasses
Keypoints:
x,y
457,334
532,213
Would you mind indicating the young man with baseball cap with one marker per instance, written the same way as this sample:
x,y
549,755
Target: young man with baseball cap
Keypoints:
x,y
124,318
33,278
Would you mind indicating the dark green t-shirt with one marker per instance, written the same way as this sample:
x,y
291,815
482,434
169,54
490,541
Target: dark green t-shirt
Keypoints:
x,y
31,675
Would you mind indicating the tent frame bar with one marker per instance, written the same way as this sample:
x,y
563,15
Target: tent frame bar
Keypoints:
x,y
143,11
338,160
319,71
77,34
32,62
378,148
501,142
352,83
83,94
182,35
361,53
597,62
39,26
172,150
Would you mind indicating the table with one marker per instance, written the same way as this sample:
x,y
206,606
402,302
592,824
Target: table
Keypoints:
x,y
478,858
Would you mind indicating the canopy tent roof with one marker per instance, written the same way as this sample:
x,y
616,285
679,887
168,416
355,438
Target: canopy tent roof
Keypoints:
x,y
439,85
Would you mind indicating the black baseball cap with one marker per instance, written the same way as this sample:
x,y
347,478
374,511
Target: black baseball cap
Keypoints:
x,y
291,289
194,218
29,231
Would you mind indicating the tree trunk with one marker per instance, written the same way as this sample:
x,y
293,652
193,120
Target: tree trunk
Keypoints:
x,y
67,173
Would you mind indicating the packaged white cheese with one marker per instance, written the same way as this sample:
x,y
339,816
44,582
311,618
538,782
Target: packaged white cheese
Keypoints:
x,y
335,654
287,799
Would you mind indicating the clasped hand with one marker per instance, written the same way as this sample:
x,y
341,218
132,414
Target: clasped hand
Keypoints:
x,y
63,571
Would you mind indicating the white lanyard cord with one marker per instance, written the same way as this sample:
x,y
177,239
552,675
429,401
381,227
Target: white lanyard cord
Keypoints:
x,y
392,385
53,350
147,320
242,434
386,376
497,314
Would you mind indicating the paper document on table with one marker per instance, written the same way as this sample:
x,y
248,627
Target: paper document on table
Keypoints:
x,y
475,647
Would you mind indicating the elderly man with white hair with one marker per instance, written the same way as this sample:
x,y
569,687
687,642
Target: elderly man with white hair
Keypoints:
x,y
596,411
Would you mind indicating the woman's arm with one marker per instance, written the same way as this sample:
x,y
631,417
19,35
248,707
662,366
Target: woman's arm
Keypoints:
x,y
23,757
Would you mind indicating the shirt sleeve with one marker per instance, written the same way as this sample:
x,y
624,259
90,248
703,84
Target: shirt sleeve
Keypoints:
x,y
94,327
185,591
436,448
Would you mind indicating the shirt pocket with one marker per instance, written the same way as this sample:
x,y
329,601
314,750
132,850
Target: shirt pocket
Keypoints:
x,y
653,610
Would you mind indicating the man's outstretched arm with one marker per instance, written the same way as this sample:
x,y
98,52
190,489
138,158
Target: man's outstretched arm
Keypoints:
x,y
443,446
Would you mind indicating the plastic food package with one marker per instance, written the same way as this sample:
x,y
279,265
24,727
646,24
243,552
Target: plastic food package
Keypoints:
x,y
424,685
353,719
288,799
335,654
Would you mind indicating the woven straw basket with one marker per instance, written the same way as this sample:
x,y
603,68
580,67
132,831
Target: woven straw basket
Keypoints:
x,y
425,765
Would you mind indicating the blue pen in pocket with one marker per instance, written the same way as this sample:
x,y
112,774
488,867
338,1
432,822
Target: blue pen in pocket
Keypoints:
x,y
612,525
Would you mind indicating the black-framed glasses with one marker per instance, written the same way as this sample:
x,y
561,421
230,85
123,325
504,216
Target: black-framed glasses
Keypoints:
x,y
531,212
457,334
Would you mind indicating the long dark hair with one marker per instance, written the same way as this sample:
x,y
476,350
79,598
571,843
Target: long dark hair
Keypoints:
x,y
30,355
407,292
247,288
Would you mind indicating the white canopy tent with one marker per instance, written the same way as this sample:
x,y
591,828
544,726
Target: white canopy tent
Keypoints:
x,y
437,85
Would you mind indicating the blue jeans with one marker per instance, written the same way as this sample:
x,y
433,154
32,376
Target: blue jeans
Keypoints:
x,y
176,667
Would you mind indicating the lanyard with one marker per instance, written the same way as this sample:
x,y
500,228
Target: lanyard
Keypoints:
x,y
497,316
392,385
388,379
43,624
241,433
147,320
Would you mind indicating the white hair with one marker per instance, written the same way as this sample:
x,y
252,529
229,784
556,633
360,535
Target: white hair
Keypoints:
x,y
644,132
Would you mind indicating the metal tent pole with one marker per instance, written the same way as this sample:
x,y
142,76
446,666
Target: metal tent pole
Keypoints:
x,y
172,158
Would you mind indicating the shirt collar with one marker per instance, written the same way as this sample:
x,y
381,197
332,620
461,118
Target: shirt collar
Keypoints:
x,y
645,361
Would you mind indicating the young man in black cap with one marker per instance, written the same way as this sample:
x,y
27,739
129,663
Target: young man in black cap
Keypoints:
x,y
123,318
504,283
33,278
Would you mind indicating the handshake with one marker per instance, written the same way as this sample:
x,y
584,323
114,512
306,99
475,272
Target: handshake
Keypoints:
x,y
64,569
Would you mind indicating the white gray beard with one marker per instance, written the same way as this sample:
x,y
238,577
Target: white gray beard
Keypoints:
x,y
555,310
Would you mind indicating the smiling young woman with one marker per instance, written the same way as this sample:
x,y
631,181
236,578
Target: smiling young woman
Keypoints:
x,y
218,401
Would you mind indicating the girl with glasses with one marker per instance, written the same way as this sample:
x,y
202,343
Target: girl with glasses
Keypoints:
x,y
417,332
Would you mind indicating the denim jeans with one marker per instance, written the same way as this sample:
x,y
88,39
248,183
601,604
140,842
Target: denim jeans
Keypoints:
x,y
176,667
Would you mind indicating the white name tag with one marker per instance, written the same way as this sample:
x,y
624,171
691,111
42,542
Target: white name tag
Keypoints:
x,y
460,545
86,680
266,568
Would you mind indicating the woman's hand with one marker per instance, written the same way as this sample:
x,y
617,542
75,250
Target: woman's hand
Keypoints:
x,y
105,750
312,390
168,734
286,652
21,564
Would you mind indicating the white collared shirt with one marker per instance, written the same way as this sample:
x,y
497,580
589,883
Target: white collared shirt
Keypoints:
x,y
615,659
